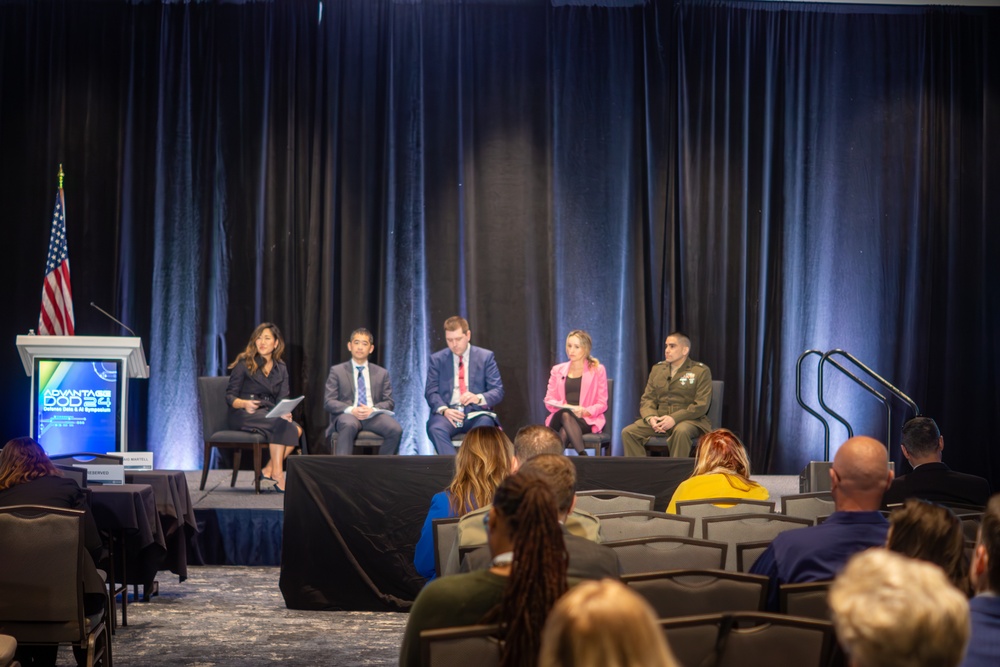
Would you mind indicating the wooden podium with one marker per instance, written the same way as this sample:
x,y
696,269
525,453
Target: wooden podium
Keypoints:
x,y
123,354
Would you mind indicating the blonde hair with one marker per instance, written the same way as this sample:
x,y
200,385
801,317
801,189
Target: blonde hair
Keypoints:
x,y
483,461
603,624
894,611
720,451
587,344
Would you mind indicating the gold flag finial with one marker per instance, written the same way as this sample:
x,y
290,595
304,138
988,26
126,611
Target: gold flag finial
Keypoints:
x,y
60,176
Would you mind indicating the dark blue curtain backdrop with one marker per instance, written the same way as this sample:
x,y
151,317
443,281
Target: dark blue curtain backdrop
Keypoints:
x,y
768,177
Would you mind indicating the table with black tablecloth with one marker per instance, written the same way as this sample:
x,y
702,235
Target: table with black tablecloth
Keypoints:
x,y
173,504
352,522
129,511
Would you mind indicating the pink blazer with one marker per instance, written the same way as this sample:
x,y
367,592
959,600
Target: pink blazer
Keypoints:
x,y
593,393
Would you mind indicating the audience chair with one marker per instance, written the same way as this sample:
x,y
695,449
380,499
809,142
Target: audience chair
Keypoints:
x,y
656,554
477,645
808,505
747,528
78,475
607,501
657,445
216,432
750,639
629,525
445,533
365,442
691,592
722,507
747,554
601,442
41,582
970,522
808,600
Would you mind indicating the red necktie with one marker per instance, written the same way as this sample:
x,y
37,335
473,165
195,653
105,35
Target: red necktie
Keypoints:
x,y
461,377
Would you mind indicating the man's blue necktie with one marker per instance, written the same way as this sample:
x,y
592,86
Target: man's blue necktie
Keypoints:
x,y
362,393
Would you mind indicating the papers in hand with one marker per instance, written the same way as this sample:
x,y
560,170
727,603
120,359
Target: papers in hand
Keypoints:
x,y
560,406
379,411
479,413
284,407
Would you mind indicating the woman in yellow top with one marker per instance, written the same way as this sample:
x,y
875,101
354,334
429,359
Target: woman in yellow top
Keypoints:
x,y
722,470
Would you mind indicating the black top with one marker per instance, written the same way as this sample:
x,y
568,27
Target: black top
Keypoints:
x,y
268,389
54,491
573,390
938,483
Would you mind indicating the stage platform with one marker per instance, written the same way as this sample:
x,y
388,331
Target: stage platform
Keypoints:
x,y
239,527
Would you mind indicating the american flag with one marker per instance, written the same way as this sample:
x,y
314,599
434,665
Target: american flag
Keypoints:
x,y
56,317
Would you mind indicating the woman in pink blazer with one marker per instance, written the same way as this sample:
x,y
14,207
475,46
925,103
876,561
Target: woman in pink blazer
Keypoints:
x,y
577,397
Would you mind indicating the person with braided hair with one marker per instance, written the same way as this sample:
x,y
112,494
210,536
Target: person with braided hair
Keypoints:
x,y
527,577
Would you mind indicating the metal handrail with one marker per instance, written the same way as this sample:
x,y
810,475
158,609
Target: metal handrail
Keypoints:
x,y
864,385
798,397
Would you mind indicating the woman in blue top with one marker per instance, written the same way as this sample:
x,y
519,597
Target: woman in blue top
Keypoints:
x,y
483,461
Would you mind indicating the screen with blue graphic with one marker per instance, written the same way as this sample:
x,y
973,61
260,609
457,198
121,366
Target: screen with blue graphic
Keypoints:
x,y
77,405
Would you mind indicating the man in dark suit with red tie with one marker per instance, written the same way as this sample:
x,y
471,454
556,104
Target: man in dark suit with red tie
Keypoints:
x,y
931,479
356,391
461,380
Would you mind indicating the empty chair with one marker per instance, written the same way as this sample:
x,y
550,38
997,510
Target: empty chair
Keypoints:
x,y
692,592
747,554
445,533
750,639
42,582
808,505
470,645
808,600
630,525
747,528
655,554
606,501
722,506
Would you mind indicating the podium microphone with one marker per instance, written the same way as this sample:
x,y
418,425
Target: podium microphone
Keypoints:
x,y
112,318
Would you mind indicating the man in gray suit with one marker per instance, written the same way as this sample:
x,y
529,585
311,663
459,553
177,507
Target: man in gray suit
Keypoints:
x,y
358,397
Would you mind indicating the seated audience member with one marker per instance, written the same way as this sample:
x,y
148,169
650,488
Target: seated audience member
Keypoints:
x,y
355,389
933,533
28,477
483,461
894,611
922,445
527,577
581,385
587,560
531,441
603,624
984,645
721,470
858,478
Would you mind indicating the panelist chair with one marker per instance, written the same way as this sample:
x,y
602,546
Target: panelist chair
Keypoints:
x,y
216,432
601,442
657,445
41,582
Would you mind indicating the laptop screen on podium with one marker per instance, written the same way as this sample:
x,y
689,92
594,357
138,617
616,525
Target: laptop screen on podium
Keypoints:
x,y
76,405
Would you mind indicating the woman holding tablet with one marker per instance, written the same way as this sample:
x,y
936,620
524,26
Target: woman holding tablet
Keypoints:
x,y
259,379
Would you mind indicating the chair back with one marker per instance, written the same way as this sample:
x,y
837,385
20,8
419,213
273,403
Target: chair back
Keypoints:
x,y
721,507
656,554
630,525
602,440
607,501
78,475
87,458
693,592
445,533
808,600
214,409
750,639
715,407
477,645
741,528
41,581
747,554
808,505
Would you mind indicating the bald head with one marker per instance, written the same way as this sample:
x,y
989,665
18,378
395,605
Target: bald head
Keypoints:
x,y
860,475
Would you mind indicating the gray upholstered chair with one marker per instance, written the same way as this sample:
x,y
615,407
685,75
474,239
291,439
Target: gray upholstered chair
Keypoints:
x,y
630,525
692,592
216,432
656,554
601,442
469,645
605,501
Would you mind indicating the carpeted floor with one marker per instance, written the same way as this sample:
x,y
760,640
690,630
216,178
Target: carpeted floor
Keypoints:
x,y
229,616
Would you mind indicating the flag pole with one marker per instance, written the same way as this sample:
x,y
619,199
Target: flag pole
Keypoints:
x,y
60,176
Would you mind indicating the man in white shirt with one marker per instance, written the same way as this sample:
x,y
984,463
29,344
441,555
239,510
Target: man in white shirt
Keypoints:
x,y
359,396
